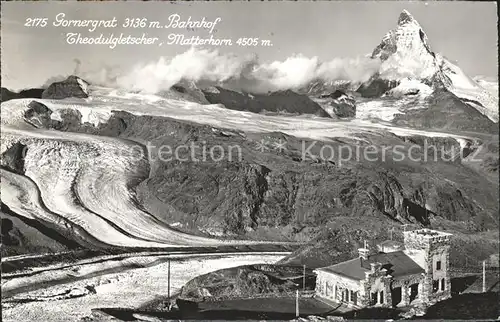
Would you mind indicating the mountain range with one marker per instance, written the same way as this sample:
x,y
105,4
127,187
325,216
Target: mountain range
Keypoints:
x,y
64,165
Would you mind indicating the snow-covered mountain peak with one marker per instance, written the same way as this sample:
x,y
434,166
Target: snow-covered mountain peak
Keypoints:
x,y
406,17
405,51
408,60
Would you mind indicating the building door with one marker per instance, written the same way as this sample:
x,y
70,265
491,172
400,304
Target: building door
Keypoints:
x,y
413,292
396,296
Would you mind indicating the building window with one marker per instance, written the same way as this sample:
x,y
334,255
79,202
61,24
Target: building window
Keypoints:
x,y
435,286
354,297
381,297
373,299
442,284
438,265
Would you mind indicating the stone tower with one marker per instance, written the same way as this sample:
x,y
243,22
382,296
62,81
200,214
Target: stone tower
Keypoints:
x,y
430,249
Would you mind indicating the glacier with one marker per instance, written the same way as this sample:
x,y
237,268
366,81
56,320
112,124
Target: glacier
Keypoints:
x,y
85,180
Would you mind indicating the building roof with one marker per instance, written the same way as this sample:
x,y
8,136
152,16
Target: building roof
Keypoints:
x,y
396,263
391,243
351,268
427,233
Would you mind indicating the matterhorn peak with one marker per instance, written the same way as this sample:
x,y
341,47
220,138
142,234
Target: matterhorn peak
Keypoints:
x,y
406,17
407,61
405,52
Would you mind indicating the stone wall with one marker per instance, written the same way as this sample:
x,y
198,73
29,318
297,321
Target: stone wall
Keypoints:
x,y
425,239
376,281
441,276
436,246
405,283
331,286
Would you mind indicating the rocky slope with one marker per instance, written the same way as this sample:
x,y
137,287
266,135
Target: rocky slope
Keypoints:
x,y
287,101
444,110
320,87
246,281
338,104
185,91
72,86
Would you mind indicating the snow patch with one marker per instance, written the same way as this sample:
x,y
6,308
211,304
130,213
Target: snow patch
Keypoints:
x,y
149,98
56,116
95,117
410,86
83,85
408,65
379,109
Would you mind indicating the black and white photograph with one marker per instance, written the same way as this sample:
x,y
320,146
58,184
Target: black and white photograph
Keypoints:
x,y
249,161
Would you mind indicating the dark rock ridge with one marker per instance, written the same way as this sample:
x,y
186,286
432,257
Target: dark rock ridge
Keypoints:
x,y
342,104
190,92
320,87
8,95
72,86
38,115
13,158
27,236
277,102
184,91
376,87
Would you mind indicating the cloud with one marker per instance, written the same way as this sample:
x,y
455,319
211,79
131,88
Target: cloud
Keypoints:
x,y
238,72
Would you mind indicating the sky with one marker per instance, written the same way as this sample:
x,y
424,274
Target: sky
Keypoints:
x,y
464,32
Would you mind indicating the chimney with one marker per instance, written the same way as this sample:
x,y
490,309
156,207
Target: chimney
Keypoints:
x,y
364,252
